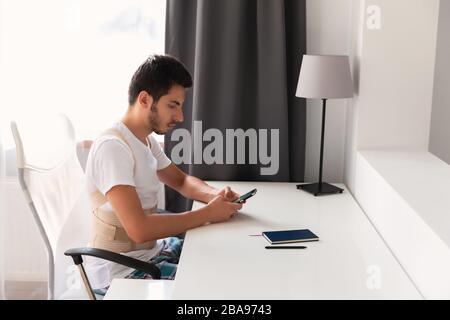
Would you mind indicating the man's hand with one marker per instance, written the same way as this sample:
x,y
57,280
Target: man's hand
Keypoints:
x,y
192,187
228,194
219,209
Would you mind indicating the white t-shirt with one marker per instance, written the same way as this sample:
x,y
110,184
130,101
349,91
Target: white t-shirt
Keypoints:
x,y
110,163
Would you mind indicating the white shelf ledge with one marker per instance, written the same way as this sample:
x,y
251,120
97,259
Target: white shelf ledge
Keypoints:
x,y
406,195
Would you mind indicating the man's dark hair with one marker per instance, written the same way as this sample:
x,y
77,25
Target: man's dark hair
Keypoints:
x,y
156,76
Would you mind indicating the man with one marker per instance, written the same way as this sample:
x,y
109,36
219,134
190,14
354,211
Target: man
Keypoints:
x,y
123,170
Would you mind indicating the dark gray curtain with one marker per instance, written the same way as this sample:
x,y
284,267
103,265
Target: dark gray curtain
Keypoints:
x,y
245,57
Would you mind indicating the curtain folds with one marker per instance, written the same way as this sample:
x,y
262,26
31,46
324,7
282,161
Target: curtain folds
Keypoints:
x,y
245,58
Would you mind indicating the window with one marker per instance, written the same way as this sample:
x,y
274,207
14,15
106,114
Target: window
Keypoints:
x,y
74,57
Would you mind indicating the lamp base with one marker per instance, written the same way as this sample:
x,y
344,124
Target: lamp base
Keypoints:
x,y
316,191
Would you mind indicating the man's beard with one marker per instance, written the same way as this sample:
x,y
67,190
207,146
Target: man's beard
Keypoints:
x,y
155,122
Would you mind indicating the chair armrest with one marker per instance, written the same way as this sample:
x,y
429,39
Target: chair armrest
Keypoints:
x,y
146,267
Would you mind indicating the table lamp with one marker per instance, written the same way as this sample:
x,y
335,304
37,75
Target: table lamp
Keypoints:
x,y
324,77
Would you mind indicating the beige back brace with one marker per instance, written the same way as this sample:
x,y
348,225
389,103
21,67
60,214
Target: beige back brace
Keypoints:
x,y
107,232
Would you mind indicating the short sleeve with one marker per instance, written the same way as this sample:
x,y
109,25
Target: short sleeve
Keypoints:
x,y
161,158
113,165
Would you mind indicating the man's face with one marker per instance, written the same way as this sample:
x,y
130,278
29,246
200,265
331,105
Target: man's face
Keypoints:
x,y
168,111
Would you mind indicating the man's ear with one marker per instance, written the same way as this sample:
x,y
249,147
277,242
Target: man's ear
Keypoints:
x,y
145,99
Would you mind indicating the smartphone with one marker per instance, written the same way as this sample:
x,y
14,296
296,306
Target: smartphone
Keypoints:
x,y
245,196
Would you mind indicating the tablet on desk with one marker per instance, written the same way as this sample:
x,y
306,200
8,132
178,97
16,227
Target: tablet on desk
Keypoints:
x,y
287,236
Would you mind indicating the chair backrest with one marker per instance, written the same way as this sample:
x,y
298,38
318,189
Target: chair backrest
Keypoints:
x,y
54,186
83,148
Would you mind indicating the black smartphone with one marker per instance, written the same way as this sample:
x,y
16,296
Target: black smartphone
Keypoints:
x,y
245,196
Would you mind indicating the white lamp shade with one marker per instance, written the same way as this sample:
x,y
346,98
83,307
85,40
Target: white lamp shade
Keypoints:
x,y
325,76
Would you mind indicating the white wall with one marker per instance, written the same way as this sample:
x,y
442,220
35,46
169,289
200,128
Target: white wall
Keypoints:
x,y
396,79
440,115
356,26
395,67
328,32
25,249
393,70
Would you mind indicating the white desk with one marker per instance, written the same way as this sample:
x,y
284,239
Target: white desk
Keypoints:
x,y
138,289
405,195
221,261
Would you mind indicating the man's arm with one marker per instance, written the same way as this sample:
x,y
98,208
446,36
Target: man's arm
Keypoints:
x,y
189,186
140,227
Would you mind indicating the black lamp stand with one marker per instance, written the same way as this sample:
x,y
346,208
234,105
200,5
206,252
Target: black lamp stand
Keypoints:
x,y
321,188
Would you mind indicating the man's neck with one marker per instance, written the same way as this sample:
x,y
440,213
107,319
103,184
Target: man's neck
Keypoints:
x,y
136,127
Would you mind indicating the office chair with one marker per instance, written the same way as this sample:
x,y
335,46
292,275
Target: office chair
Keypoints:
x,y
53,183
